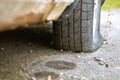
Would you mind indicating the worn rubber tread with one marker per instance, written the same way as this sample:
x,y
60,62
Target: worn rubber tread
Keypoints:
x,y
76,32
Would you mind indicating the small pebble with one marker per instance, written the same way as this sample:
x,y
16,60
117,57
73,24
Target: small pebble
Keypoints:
x,y
82,53
49,78
105,42
31,51
78,55
76,77
2,49
61,73
99,60
82,77
61,50
101,63
107,65
33,78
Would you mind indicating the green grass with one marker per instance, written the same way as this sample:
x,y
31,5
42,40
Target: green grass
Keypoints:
x,y
111,4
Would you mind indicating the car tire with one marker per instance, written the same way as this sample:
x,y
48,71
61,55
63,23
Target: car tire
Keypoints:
x,y
80,32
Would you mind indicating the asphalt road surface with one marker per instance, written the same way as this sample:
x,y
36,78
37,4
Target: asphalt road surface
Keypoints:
x,y
27,54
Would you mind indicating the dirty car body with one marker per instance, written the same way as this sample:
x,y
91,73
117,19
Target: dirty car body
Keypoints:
x,y
16,13
76,23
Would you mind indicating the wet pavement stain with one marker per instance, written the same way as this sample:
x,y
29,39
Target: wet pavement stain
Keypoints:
x,y
45,74
61,65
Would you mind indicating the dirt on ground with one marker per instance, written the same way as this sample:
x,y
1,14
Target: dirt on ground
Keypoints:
x,y
28,54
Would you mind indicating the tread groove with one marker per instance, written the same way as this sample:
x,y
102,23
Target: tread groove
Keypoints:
x,y
81,27
76,32
61,35
68,34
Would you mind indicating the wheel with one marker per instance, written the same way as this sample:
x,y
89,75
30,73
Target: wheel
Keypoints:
x,y
81,31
